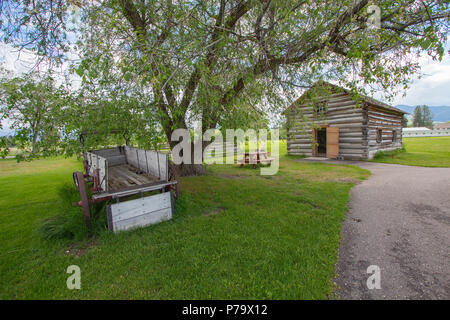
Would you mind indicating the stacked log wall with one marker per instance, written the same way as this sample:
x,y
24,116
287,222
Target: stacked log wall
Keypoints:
x,y
343,112
388,122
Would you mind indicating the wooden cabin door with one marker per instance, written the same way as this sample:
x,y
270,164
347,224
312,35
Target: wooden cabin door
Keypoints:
x,y
332,142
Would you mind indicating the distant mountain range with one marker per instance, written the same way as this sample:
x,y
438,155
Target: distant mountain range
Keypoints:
x,y
440,113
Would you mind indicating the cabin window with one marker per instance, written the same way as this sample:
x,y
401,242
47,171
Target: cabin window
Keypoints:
x,y
379,135
394,136
320,109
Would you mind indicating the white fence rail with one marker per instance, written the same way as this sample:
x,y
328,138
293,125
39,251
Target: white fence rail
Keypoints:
x,y
426,133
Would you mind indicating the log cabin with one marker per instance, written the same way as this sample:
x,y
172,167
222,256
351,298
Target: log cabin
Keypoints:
x,y
328,121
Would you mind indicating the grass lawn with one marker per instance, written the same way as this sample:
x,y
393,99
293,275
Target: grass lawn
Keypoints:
x,y
235,234
423,152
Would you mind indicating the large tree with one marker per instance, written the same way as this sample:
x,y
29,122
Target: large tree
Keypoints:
x,y
423,117
228,62
427,117
418,117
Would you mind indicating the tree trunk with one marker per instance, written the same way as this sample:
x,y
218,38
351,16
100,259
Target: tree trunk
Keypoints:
x,y
33,143
184,170
190,169
35,129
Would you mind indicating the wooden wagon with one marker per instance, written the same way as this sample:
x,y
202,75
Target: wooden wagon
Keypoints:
x,y
119,173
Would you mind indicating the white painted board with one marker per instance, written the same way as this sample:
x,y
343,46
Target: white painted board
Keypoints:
x,y
140,212
163,166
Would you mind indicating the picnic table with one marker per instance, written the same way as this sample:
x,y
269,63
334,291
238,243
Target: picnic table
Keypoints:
x,y
256,157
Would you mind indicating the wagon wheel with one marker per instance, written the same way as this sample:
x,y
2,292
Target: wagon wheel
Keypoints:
x,y
173,176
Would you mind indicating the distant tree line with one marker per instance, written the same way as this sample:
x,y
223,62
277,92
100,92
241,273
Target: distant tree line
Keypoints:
x,y
423,117
404,121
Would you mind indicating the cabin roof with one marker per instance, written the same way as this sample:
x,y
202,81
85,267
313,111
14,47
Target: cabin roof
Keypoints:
x,y
365,98
416,129
444,125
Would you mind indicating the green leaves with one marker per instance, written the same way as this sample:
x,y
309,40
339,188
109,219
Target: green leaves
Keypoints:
x,y
127,76
32,105
426,43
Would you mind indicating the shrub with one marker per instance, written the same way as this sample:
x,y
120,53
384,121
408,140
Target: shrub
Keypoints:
x,y
381,154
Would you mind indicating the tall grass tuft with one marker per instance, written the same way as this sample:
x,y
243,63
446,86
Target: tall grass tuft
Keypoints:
x,y
382,154
69,224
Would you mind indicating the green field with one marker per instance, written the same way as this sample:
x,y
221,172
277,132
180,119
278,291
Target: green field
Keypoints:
x,y
424,152
235,234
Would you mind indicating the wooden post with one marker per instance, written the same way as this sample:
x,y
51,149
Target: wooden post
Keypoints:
x,y
84,202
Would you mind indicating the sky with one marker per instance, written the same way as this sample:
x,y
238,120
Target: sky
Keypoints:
x,y
433,88
22,62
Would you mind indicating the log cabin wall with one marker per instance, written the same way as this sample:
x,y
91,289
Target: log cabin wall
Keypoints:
x,y
342,112
389,122
358,126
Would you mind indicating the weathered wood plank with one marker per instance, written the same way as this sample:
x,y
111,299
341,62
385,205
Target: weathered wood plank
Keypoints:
x,y
152,162
97,162
163,166
106,153
126,175
140,212
116,160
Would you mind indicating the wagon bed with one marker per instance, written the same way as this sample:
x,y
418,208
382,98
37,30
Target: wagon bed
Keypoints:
x,y
125,175
125,171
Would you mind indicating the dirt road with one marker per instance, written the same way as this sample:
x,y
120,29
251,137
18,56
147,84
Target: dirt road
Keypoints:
x,y
398,220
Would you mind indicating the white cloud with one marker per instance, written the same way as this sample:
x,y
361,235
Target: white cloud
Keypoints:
x,y
15,61
22,62
433,88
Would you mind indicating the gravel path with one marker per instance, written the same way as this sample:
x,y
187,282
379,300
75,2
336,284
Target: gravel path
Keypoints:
x,y
399,220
